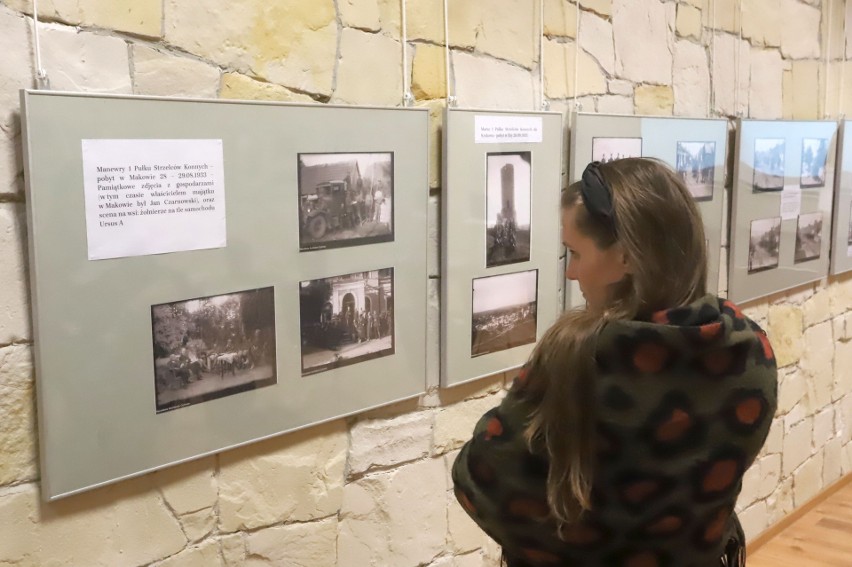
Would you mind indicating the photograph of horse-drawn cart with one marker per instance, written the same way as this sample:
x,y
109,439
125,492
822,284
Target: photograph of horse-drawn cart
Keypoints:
x,y
507,226
345,199
212,347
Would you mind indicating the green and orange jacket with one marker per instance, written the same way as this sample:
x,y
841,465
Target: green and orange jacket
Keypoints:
x,y
683,404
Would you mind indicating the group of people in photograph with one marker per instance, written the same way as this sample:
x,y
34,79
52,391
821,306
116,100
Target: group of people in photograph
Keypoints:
x,y
355,326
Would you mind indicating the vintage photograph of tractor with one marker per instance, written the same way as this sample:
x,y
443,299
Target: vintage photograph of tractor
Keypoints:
x,y
346,319
808,237
764,245
212,347
507,226
505,312
345,199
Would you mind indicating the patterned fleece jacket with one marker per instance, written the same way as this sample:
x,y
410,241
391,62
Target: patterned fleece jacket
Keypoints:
x,y
683,404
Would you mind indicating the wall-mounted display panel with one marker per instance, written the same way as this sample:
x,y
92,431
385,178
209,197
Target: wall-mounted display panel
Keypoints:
x,y
500,256
205,273
781,205
695,148
841,247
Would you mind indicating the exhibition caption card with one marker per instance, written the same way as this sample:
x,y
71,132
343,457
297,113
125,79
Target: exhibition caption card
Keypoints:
x,y
496,129
153,196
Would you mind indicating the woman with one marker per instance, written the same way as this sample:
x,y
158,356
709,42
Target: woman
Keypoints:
x,y
624,440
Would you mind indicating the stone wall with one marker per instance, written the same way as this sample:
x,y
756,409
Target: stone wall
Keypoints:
x,y
374,490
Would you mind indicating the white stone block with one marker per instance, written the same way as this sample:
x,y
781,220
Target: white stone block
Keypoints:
x,y
817,309
101,529
842,369
691,80
560,60
649,24
83,61
800,30
205,554
15,73
621,87
18,427
846,412
833,464
818,366
198,525
596,40
765,85
807,480
361,14
751,487
770,475
846,459
796,415
731,89
505,28
792,390
824,427
388,442
295,477
394,518
614,104
463,534
233,548
754,519
14,290
482,82
454,424
369,70
189,487
313,544
290,43
797,446
780,504
163,74
775,440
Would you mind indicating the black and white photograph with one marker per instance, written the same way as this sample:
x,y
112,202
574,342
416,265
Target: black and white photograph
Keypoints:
x,y
504,312
507,227
212,347
345,199
769,164
814,156
606,150
764,245
696,166
346,319
808,237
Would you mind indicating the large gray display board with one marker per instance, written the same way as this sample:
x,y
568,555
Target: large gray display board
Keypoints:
x,y
500,278
314,308
841,248
695,148
781,205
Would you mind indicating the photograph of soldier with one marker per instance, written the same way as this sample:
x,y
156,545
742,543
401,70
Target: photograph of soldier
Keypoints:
x,y
696,165
507,223
814,155
346,319
764,244
212,347
808,237
769,164
606,150
345,199
504,312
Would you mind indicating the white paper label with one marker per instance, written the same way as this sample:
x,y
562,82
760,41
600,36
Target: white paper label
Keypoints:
x,y
791,203
493,129
153,196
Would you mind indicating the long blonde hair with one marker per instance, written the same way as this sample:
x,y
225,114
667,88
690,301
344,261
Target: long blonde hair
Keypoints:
x,y
661,232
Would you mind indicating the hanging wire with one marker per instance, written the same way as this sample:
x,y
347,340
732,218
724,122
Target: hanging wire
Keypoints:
x,y
737,110
829,24
407,97
545,105
577,106
42,80
451,100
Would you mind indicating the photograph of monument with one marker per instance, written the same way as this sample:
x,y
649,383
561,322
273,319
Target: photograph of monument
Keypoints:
x,y
508,194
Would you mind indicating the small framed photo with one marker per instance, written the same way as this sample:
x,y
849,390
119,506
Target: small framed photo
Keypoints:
x,y
814,159
507,221
808,237
346,319
345,199
504,312
696,166
606,150
769,164
212,347
764,244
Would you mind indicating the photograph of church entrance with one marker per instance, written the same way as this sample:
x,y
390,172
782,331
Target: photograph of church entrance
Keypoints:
x,y
346,319
507,226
